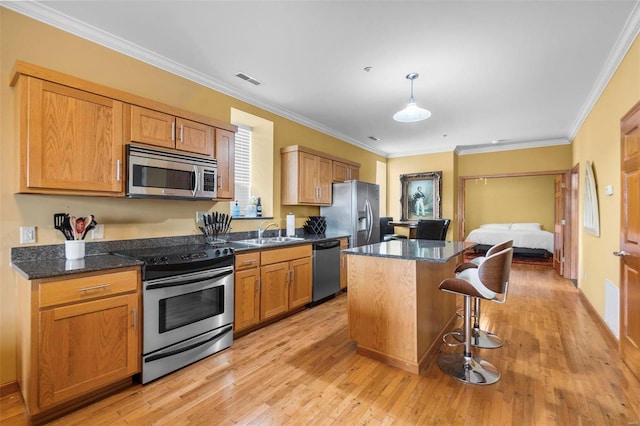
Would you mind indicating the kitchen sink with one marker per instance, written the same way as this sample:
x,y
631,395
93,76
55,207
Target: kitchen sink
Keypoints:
x,y
270,240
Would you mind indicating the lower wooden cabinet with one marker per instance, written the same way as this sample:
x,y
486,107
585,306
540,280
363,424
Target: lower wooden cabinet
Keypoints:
x,y
78,334
271,283
247,291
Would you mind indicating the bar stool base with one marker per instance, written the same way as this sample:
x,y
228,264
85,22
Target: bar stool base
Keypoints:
x,y
468,369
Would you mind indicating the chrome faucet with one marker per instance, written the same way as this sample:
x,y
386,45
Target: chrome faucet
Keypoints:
x,y
261,230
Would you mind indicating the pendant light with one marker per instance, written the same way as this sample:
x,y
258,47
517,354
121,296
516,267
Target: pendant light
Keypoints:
x,y
412,112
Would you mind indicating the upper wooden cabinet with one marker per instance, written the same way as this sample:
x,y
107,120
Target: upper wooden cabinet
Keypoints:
x,y
73,132
71,140
306,176
165,130
344,171
225,155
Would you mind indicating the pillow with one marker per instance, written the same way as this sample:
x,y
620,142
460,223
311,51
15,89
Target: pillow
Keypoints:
x,y
526,227
496,226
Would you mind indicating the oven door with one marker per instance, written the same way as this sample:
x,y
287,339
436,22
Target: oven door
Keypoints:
x,y
181,307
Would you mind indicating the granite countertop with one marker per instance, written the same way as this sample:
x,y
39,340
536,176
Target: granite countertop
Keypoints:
x,y
48,261
422,250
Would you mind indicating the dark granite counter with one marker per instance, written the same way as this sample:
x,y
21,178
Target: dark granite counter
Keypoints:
x,y
422,250
48,261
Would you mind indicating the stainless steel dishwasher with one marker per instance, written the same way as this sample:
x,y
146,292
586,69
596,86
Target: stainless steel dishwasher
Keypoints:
x,y
326,270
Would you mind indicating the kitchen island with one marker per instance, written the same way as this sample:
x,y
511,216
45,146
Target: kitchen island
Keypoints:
x,y
396,312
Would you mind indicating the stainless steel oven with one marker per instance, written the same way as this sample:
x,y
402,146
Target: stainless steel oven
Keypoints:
x,y
164,173
187,299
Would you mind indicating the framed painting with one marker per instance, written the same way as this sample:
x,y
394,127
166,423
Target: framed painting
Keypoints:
x,y
421,196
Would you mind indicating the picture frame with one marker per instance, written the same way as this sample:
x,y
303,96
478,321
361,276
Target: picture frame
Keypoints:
x,y
591,219
428,205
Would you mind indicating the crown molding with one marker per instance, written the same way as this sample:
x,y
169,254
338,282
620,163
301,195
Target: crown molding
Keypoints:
x,y
627,36
509,146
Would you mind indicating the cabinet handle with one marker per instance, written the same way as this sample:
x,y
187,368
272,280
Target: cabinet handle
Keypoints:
x,y
95,287
134,318
117,170
258,282
248,262
293,275
173,131
620,253
219,181
181,133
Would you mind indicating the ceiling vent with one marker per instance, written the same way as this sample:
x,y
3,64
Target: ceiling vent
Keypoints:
x,y
373,138
249,79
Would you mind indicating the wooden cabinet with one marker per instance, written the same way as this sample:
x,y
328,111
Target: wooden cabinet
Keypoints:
x,y
344,244
225,155
157,128
306,179
270,284
71,140
343,171
286,280
247,291
78,334
307,175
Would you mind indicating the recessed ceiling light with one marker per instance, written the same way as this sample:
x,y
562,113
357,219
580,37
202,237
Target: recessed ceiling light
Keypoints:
x,y
367,69
250,79
373,138
495,141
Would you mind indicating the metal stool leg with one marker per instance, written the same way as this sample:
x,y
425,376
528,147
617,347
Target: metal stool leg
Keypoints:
x,y
480,338
465,367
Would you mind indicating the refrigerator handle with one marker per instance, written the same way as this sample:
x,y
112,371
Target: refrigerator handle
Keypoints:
x,y
369,214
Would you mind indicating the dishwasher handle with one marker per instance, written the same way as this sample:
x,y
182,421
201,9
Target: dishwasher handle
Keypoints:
x,y
326,245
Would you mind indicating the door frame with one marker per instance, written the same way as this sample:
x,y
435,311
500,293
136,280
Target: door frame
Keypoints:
x,y
462,180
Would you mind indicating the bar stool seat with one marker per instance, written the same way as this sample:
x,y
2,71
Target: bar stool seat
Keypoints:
x,y
490,282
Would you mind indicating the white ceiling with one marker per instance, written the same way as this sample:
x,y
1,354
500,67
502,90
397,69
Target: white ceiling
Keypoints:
x,y
524,73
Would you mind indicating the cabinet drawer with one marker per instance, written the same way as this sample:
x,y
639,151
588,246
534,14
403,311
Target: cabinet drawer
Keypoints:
x,y
247,260
68,290
285,254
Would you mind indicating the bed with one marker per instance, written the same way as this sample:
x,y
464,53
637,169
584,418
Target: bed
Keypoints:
x,y
528,238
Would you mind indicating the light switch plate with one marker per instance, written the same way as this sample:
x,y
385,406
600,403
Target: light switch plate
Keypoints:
x,y
97,233
199,216
27,234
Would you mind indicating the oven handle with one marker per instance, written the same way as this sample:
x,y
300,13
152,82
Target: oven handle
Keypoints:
x,y
178,282
187,348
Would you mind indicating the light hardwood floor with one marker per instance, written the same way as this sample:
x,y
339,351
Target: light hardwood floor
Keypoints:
x,y
558,365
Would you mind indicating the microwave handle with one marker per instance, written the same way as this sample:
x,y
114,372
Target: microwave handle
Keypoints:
x,y
197,180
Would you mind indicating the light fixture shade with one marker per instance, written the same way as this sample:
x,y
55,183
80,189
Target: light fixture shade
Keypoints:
x,y
411,113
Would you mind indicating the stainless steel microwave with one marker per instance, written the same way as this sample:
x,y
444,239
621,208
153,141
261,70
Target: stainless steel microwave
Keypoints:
x,y
164,173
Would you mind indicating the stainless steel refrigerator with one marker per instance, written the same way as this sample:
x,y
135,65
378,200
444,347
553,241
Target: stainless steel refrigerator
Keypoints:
x,y
355,211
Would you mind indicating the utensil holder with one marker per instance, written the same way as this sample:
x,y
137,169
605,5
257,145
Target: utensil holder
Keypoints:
x,y
74,249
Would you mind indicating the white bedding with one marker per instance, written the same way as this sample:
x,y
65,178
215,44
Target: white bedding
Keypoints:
x,y
537,239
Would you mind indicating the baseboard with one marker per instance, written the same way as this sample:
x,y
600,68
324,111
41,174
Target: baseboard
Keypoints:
x,y
9,388
593,313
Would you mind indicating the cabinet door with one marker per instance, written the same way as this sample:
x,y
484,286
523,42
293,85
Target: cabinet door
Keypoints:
x,y
354,173
86,346
344,244
274,290
73,142
194,137
152,127
300,283
247,299
324,177
339,171
225,155
307,180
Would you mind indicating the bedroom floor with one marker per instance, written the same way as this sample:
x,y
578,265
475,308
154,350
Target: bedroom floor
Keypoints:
x,y
520,259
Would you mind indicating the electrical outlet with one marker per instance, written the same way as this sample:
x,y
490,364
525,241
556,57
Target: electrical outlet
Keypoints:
x,y
27,234
97,233
199,216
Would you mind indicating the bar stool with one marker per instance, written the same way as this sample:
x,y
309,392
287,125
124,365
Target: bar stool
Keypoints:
x,y
489,281
481,338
